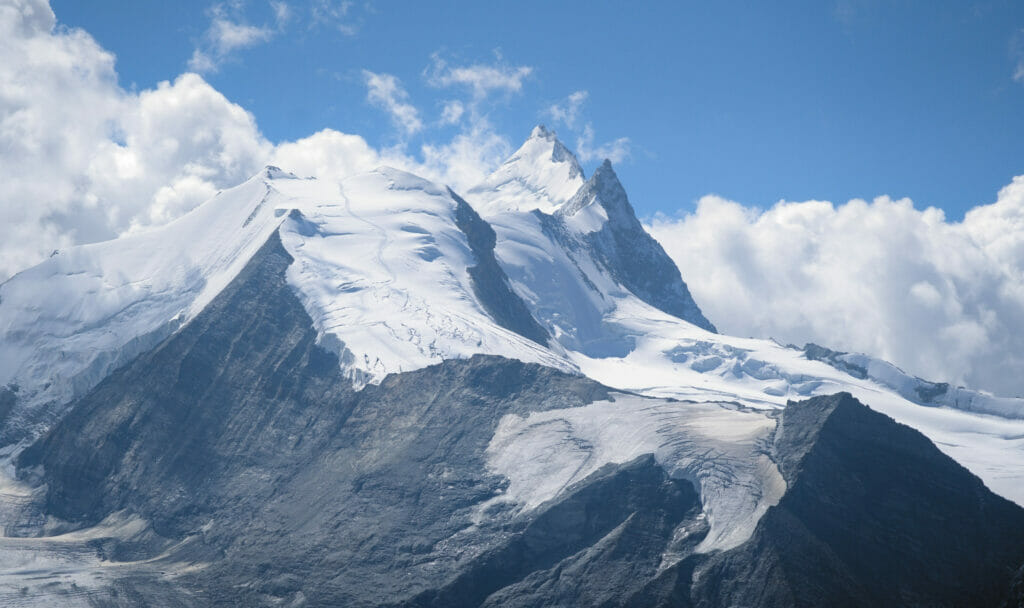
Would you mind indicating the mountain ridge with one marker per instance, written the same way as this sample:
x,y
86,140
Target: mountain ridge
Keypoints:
x,y
305,386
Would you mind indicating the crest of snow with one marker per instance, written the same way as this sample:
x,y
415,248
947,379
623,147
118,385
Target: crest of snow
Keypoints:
x,y
916,389
543,174
713,445
382,269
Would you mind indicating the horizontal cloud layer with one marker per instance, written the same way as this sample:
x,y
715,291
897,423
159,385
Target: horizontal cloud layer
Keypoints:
x,y
945,300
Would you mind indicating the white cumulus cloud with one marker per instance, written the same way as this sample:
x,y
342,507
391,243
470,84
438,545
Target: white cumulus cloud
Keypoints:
x,y
112,160
942,299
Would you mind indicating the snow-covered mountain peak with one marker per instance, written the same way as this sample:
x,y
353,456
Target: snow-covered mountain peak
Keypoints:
x,y
271,172
541,131
398,273
395,271
542,174
602,198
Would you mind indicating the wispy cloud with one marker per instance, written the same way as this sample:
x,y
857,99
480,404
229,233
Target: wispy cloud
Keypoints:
x,y
478,148
386,92
1017,54
616,150
338,14
452,112
569,112
282,12
481,79
229,32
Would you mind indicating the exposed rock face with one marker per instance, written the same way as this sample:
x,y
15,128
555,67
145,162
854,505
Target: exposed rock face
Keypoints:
x,y
814,352
595,546
241,434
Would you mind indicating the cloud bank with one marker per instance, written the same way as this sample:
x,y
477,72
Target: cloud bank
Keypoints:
x,y
944,300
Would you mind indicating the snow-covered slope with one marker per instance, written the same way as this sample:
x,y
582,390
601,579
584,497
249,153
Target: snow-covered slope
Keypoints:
x,y
382,263
624,319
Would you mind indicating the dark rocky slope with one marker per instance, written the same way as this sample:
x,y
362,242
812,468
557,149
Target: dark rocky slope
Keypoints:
x,y
240,436
243,445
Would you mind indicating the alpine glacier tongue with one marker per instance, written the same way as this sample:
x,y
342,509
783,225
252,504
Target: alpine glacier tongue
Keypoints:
x,y
541,175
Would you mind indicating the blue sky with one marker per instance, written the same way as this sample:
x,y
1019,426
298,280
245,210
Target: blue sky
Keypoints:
x,y
753,101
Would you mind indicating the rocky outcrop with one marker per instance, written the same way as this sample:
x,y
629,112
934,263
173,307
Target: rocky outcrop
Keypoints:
x,y
874,515
593,547
1015,599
